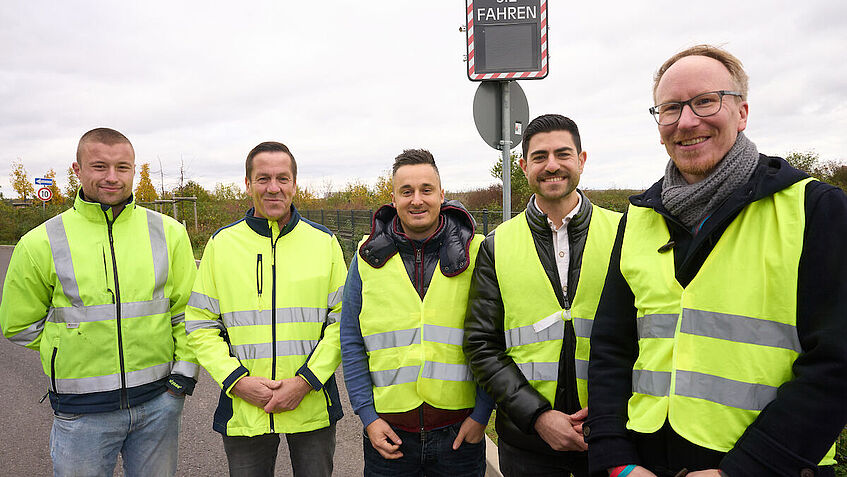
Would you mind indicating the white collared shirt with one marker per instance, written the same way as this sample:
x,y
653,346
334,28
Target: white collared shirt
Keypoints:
x,y
561,246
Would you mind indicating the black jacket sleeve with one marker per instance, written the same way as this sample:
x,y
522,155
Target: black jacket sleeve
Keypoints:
x,y
614,348
485,347
795,430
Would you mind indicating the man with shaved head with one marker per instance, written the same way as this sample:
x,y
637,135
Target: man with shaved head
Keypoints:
x,y
101,290
718,346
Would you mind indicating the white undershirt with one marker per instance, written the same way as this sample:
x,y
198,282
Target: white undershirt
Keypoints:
x,y
561,246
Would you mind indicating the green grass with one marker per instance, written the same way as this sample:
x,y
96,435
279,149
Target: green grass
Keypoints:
x,y
489,429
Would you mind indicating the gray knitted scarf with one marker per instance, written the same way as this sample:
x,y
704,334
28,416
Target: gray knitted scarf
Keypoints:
x,y
691,202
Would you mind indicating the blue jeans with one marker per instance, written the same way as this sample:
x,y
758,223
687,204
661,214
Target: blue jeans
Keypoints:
x,y
311,453
146,435
428,453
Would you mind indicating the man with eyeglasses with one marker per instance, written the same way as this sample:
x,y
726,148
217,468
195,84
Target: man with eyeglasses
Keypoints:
x,y
718,345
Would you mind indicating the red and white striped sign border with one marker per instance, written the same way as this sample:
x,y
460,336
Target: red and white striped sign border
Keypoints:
x,y
515,75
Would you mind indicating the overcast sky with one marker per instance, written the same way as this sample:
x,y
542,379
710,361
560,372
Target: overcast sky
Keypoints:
x,y
347,85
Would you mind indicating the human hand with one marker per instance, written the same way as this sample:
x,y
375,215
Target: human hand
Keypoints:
x,y
384,439
288,394
705,473
470,431
257,390
557,430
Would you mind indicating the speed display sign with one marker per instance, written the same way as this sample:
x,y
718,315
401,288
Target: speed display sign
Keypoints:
x,y
506,39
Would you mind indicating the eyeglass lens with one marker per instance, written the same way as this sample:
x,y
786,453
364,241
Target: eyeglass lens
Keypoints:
x,y
702,105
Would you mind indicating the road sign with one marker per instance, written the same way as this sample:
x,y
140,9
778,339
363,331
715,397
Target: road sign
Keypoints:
x,y
506,39
44,194
488,113
43,181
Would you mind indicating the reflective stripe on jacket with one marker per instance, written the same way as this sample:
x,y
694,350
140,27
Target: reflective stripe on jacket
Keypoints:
x,y
414,346
102,299
534,321
269,305
717,350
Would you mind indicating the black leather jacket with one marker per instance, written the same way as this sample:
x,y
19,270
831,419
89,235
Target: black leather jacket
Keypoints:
x,y
518,404
449,245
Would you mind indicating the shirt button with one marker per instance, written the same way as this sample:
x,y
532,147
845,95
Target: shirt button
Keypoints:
x,y
561,254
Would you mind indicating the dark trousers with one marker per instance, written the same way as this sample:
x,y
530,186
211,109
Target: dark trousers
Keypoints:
x,y
428,453
311,453
666,453
516,462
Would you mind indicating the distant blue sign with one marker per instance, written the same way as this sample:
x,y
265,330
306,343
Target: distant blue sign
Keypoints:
x,y
43,181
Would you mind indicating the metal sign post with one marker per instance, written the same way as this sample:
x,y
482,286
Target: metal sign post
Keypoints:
x,y
506,40
507,149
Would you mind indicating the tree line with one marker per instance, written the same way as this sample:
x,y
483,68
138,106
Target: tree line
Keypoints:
x,y
226,203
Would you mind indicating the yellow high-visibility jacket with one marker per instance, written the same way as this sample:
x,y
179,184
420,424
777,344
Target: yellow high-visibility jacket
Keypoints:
x,y
266,303
102,299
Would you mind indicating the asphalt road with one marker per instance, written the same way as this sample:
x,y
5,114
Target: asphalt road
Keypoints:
x,y
25,423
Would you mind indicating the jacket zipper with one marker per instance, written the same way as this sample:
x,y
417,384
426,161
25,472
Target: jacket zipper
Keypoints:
x,y
53,371
273,315
259,271
124,398
419,272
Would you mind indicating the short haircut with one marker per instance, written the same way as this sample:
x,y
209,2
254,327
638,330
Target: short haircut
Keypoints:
x,y
549,123
733,64
269,146
410,157
106,136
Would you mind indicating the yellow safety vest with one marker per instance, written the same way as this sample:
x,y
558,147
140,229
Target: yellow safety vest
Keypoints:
x,y
414,346
713,354
534,322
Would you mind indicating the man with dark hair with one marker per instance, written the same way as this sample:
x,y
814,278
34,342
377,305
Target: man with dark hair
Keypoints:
x,y
532,304
411,157
401,332
263,320
100,290
270,146
718,345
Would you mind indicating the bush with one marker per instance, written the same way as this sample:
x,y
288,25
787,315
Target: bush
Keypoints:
x,y
612,199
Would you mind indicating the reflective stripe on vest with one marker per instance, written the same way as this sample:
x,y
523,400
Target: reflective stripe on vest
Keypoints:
x,y
718,349
29,334
234,319
534,321
111,382
414,346
266,350
87,314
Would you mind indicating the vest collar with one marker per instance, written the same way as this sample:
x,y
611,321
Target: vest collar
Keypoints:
x,y
262,226
95,211
579,223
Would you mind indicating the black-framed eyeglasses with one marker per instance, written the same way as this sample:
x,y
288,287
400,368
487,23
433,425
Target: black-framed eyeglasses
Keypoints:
x,y
703,105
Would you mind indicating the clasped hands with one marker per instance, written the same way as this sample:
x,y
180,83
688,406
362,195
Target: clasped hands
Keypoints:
x,y
563,432
272,395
